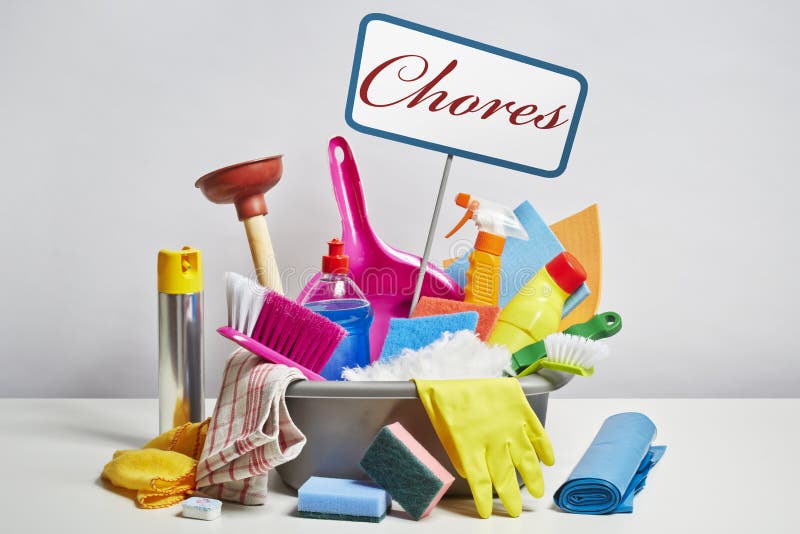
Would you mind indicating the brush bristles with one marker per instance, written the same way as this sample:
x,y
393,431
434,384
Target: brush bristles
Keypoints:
x,y
298,333
575,350
245,300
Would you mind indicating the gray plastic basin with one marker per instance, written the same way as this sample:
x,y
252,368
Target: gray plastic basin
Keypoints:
x,y
340,419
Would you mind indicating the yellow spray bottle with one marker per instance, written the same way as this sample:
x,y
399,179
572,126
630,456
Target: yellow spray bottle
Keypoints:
x,y
495,222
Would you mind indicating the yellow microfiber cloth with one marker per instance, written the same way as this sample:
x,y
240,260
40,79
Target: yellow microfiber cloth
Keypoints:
x,y
580,235
186,439
163,472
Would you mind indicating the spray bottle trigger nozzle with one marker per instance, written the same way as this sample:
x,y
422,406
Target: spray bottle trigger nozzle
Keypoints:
x,y
467,216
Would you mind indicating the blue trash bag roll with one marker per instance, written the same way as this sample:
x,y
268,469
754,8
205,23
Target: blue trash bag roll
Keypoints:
x,y
613,469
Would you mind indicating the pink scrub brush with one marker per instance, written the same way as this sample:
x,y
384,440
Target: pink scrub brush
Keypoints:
x,y
277,329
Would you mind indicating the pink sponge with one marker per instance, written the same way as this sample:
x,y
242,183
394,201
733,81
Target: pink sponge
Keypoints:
x,y
403,467
487,315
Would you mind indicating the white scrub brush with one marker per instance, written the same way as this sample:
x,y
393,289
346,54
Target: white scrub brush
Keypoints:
x,y
571,354
459,355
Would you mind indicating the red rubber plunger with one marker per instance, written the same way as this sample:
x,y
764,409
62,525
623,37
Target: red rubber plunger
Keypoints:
x,y
244,185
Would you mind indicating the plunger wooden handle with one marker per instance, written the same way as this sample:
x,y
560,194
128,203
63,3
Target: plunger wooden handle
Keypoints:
x,y
263,255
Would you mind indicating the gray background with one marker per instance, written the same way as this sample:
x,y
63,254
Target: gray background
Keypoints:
x,y
110,111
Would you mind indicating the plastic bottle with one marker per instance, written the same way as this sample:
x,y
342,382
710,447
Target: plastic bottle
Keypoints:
x,y
495,222
535,311
336,296
483,274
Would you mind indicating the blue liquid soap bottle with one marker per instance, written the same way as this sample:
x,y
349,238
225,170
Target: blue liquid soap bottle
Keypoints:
x,y
336,296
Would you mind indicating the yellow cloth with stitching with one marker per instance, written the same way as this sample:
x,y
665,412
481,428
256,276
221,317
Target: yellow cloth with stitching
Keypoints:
x,y
186,439
488,429
163,471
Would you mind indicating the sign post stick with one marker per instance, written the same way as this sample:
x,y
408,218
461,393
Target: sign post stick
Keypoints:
x,y
434,221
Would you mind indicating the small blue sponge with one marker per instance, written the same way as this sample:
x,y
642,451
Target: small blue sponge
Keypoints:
x,y
522,259
342,499
422,331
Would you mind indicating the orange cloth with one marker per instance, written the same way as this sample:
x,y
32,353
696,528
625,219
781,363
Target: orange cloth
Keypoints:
x,y
580,235
163,471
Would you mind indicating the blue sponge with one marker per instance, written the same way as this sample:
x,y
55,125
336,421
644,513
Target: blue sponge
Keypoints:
x,y
342,499
422,331
522,259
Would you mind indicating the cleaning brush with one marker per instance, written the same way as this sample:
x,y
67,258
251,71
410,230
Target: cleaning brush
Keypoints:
x,y
277,329
600,326
571,354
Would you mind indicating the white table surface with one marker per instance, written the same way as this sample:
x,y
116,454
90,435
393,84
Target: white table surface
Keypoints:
x,y
730,466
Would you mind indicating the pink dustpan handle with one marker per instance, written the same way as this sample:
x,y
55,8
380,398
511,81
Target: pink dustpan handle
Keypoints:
x,y
246,342
349,195
371,259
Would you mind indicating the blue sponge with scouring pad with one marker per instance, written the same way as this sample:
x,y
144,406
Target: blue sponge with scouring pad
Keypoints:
x,y
422,331
342,499
522,259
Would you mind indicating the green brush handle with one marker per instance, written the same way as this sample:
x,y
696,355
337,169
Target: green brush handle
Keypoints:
x,y
600,326
525,357
565,367
545,363
532,368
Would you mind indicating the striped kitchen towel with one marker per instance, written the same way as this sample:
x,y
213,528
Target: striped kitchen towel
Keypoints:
x,y
251,430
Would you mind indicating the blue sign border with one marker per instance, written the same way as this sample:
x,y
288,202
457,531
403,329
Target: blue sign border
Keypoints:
x,y
348,115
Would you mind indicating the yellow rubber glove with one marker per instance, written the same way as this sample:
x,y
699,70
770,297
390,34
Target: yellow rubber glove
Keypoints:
x,y
487,429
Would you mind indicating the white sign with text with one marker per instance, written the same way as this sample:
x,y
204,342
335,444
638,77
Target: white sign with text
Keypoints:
x,y
432,89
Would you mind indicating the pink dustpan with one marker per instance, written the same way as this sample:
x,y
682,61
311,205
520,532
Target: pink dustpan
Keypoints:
x,y
387,276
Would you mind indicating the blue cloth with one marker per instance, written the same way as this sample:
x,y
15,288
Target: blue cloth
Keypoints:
x,y
522,259
613,469
422,331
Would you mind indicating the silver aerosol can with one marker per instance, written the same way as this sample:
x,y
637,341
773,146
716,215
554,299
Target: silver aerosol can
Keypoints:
x,y
180,338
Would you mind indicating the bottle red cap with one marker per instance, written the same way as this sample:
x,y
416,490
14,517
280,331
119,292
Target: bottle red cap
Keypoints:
x,y
567,272
336,261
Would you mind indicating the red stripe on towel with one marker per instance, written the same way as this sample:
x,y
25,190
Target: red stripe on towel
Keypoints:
x,y
214,421
233,404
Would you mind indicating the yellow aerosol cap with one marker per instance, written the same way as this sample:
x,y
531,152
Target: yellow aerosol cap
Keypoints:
x,y
180,272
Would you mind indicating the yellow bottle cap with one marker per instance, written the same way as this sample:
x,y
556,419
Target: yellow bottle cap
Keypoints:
x,y
180,272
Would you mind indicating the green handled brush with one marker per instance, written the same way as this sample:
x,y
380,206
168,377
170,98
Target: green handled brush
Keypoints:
x,y
600,326
570,354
